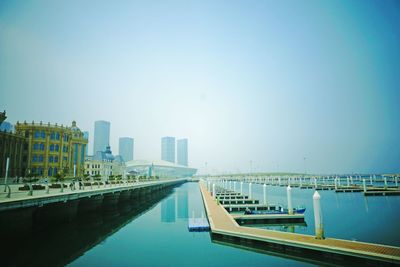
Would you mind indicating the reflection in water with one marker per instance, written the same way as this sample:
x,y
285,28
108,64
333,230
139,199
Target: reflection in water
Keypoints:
x,y
57,246
366,204
182,203
283,227
168,210
175,206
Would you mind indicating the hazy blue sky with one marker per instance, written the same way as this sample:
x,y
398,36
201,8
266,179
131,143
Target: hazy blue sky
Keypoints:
x,y
270,82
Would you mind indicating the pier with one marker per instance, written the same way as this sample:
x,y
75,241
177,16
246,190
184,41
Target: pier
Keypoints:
x,y
225,229
21,212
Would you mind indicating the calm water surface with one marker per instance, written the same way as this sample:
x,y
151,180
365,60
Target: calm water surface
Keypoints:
x,y
160,237
345,215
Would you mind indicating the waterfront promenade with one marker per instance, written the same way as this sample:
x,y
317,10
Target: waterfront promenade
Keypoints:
x,y
225,230
23,199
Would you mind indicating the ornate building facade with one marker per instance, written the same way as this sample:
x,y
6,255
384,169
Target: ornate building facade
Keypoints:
x,y
53,149
11,147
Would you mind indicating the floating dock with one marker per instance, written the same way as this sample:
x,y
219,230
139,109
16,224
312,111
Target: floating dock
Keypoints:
x,y
268,218
224,229
198,225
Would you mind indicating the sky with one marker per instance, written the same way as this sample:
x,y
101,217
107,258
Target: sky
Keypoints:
x,y
296,86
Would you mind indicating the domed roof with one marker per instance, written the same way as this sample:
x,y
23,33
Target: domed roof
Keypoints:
x,y
74,127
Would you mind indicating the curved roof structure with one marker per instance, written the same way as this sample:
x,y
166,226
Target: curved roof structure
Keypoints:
x,y
159,168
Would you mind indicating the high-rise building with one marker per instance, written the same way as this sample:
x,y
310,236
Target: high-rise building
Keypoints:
x,y
101,136
182,152
86,136
168,149
126,148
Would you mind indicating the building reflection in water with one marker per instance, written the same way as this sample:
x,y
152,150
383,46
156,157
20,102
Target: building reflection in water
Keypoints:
x,y
175,206
60,245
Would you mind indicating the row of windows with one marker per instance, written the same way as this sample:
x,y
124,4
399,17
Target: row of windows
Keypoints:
x,y
37,146
93,172
54,147
39,158
40,134
53,159
93,166
53,135
50,172
40,146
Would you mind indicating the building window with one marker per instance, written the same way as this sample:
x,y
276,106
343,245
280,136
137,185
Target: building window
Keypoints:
x,y
57,136
56,148
37,134
65,158
43,134
42,147
40,171
52,136
50,171
55,171
34,158
66,138
41,158
34,170
56,159
51,147
35,146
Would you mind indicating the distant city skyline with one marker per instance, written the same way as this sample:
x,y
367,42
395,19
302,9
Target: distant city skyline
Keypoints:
x,y
101,136
168,148
126,148
265,82
182,151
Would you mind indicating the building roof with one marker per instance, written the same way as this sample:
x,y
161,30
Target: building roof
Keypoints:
x,y
160,163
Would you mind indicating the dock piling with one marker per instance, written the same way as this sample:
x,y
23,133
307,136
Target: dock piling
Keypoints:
x,y
241,188
265,194
289,200
364,186
250,191
319,230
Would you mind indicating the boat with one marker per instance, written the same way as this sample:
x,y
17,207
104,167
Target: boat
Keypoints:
x,y
280,210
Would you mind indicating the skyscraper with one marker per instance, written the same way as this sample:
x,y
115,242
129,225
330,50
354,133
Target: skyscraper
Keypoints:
x,y
126,148
168,149
182,150
101,136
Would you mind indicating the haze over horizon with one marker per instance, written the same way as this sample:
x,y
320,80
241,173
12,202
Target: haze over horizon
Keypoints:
x,y
254,86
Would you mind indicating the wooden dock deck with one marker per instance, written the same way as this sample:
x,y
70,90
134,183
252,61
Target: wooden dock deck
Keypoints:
x,y
223,226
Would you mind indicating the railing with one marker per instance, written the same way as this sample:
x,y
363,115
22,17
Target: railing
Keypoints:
x,y
45,188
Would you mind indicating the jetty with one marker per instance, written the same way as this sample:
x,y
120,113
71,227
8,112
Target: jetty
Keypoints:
x,y
225,229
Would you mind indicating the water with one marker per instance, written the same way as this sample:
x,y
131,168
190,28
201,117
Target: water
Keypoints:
x,y
160,238
345,215
153,232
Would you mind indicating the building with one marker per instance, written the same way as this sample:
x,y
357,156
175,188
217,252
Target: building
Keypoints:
x,y
104,164
160,168
86,136
126,147
101,136
168,149
12,146
53,149
182,152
